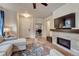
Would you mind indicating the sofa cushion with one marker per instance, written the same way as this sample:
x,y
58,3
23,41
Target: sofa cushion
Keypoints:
x,y
10,38
16,42
19,42
6,42
5,47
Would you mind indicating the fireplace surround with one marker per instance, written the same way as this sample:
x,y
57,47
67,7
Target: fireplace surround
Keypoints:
x,y
64,42
73,37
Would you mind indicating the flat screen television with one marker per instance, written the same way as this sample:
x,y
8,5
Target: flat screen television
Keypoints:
x,y
1,22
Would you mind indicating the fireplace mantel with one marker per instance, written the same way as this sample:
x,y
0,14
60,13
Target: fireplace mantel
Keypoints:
x,y
66,30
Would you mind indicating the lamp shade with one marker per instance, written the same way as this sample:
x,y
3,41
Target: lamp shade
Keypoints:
x,y
7,29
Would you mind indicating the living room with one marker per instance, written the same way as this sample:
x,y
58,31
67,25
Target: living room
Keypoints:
x,y
52,29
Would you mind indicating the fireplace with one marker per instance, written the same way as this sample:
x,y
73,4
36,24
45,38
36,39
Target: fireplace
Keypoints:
x,y
64,42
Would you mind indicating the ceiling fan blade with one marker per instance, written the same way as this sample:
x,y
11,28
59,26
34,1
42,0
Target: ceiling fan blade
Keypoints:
x,y
34,5
45,4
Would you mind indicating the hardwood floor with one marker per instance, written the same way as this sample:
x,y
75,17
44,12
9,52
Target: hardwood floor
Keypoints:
x,y
43,42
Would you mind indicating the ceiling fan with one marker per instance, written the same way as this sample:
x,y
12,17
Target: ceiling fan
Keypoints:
x,y
34,5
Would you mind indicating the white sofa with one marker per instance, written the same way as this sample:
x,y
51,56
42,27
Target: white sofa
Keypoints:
x,y
19,44
7,46
6,50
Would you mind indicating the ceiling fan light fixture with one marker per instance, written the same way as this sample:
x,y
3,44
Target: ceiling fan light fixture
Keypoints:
x,y
34,5
45,4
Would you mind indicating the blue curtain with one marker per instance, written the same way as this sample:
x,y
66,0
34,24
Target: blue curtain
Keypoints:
x,y
1,22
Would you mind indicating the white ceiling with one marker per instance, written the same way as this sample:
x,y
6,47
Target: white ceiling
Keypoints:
x,y
40,11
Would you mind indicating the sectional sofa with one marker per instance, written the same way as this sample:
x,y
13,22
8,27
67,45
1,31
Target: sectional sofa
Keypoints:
x,y
7,47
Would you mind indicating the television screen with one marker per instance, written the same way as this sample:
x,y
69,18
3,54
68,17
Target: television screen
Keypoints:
x,y
1,22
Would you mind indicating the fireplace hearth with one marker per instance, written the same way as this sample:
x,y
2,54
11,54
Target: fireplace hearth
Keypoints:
x,y
64,42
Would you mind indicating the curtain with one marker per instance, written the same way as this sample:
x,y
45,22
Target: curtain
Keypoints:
x,y
1,22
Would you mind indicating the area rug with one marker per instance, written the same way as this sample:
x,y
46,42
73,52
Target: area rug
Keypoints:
x,y
33,50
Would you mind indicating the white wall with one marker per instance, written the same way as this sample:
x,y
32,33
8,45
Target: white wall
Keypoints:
x,y
48,24
66,9
10,19
25,27
44,28
26,24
